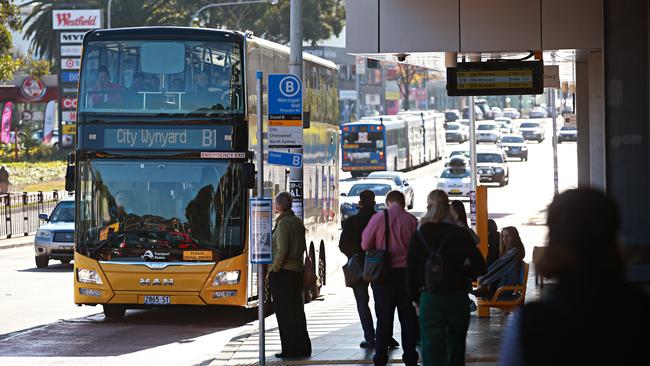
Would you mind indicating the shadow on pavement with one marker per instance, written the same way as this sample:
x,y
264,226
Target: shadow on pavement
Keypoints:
x,y
53,267
140,330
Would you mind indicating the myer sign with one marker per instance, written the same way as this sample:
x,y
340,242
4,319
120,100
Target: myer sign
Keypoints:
x,y
76,19
72,37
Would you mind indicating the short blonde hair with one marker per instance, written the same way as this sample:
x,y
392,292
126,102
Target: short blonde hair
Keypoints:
x,y
438,210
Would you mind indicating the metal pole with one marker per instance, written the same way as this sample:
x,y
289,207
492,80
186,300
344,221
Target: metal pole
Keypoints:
x,y
295,68
472,157
555,174
358,101
108,15
260,194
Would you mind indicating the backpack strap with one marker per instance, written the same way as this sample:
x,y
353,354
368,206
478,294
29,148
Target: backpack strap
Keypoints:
x,y
386,230
442,242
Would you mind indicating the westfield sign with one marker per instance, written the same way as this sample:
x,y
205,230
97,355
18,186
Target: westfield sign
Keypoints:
x,y
76,19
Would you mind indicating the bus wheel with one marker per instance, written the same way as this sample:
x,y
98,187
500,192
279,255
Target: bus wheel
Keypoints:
x,y
356,174
322,265
309,293
114,312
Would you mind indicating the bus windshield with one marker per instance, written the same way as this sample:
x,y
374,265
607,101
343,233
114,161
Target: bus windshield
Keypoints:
x,y
130,77
363,139
158,210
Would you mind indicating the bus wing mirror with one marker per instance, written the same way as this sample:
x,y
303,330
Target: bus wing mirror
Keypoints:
x,y
248,175
69,178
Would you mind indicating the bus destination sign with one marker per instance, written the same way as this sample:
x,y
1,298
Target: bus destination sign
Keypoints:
x,y
495,78
197,138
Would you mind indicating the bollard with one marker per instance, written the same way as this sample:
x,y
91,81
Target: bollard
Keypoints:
x,y
7,206
25,216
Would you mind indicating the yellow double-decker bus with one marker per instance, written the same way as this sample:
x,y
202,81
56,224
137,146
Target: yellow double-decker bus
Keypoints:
x,y
164,166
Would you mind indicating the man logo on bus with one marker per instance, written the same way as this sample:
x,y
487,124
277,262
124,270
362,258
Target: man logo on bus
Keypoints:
x,y
290,86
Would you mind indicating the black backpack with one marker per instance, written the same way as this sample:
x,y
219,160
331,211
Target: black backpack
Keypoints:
x,y
435,272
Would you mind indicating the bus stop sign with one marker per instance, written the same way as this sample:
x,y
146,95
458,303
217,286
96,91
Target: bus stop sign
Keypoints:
x,y
285,111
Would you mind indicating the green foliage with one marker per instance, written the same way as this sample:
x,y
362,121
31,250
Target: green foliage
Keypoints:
x,y
8,65
22,173
35,68
321,18
9,19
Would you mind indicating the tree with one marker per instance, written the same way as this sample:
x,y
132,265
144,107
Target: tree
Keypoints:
x,y
407,75
9,19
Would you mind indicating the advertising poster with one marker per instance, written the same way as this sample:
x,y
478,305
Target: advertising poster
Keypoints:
x,y
261,227
5,131
48,125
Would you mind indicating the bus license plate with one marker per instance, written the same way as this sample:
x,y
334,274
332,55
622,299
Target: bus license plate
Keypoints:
x,y
157,300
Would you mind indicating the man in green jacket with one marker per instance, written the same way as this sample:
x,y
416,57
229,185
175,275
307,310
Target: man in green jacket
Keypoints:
x,y
285,279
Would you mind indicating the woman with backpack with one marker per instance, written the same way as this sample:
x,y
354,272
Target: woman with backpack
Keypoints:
x,y
442,260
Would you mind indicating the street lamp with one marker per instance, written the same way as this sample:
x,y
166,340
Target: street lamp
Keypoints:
x,y
195,17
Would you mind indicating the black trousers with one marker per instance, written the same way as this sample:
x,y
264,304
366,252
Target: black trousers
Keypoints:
x,y
286,289
391,294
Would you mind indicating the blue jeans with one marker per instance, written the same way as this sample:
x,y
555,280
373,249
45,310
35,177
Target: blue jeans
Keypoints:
x,y
389,295
363,298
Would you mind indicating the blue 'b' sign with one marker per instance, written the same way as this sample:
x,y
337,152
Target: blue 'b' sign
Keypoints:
x,y
285,95
286,159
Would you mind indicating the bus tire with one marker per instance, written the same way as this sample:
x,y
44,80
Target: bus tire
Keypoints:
x,y
114,312
309,293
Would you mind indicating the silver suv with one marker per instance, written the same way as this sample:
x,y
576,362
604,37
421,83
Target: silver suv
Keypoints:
x,y
55,239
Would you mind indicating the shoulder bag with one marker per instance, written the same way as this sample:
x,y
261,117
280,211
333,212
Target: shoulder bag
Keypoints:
x,y
377,261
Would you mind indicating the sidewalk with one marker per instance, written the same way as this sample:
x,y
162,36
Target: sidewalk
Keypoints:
x,y
335,332
19,240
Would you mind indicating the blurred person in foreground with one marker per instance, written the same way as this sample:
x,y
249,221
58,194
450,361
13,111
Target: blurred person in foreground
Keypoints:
x,y
592,316
506,270
442,302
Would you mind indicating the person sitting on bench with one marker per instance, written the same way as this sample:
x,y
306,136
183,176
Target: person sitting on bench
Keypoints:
x,y
506,270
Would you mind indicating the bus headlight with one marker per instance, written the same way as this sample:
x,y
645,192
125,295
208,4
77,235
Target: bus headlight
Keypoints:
x,y
88,276
43,234
226,278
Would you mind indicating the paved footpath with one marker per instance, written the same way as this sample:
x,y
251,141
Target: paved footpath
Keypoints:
x,y
17,241
335,332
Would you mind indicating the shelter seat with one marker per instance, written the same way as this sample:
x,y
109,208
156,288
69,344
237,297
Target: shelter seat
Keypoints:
x,y
506,298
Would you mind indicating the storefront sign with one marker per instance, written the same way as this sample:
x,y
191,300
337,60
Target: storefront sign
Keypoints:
x,y
69,116
76,19
69,76
33,88
72,37
69,103
261,225
70,63
71,50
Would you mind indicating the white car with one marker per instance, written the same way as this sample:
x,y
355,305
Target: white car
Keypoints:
x,y
488,132
401,181
457,154
350,200
55,239
511,112
455,181
492,166
532,131
456,132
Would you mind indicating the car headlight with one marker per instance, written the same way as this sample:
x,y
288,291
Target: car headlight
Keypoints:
x,y
43,234
506,148
498,170
226,278
88,276
347,206
440,185
524,148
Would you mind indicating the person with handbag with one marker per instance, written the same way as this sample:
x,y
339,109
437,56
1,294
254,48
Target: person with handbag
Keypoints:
x,y
286,279
386,240
442,260
350,245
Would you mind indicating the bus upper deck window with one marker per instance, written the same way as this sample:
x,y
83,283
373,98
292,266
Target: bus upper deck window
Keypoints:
x,y
163,57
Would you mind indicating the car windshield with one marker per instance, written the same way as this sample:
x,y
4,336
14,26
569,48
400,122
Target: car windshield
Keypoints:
x,y
529,125
394,178
128,207
489,158
512,139
455,173
486,127
461,153
160,77
568,128
377,189
452,127
63,212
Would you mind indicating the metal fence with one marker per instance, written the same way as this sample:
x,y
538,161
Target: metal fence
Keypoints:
x,y
20,211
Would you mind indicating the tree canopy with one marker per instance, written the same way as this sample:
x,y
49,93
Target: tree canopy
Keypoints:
x,y
322,19
9,20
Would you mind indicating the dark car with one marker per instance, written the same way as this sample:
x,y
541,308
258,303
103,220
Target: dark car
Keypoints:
x,y
515,146
478,113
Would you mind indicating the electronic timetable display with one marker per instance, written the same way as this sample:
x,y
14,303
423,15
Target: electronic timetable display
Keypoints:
x,y
495,78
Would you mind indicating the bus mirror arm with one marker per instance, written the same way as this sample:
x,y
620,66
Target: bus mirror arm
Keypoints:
x,y
248,175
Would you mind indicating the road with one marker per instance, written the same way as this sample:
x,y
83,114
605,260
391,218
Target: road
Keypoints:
x,y
40,325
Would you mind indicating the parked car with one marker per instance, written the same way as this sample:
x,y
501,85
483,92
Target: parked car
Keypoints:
x,y
511,112
514,146
532,131
538,112
456,132
350,200
478,113
492,166
488,132
400,180
55,239
496,112
452,115
567,133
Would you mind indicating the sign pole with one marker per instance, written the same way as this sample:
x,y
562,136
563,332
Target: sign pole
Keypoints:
x,y
554,114
260,194
472,160
295,68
